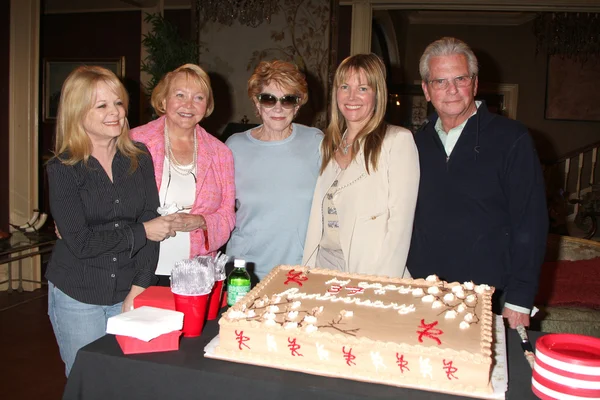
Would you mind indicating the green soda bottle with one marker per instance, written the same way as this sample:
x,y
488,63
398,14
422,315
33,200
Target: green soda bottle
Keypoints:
x,y
238,282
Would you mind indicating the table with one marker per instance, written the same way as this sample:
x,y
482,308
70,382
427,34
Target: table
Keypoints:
x,y
101,372
13,249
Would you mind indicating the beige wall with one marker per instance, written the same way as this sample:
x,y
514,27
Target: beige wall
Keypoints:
x,y
506,55
232,53
23,125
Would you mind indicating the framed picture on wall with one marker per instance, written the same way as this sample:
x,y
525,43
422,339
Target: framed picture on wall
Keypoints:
x,y
407,106
571,89
56,71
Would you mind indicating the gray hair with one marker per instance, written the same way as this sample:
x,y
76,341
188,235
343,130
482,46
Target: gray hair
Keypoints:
x,y
447,46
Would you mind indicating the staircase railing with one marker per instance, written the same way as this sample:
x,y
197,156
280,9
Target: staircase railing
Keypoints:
x,y
575,174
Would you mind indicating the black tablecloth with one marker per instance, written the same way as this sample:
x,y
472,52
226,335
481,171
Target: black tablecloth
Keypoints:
x,y
101,371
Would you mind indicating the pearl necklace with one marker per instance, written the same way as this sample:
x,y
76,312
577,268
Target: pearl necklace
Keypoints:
x,y
344,146
181,169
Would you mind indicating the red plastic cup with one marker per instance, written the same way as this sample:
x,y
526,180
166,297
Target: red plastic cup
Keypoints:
x,y
193,308
215,300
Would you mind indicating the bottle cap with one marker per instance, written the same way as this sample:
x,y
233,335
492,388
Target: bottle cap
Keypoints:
x,y
239,263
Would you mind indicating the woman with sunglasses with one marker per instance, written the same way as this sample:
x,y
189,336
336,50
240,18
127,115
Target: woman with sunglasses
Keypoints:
x,y
276,167
193,169
364,202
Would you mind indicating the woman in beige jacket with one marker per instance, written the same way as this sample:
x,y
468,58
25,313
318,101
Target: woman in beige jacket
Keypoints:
x,y
364,202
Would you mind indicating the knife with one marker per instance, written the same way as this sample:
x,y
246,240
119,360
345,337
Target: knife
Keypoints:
x,y
526,345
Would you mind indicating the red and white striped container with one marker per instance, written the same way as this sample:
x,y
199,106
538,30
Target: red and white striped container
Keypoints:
x,y
567,367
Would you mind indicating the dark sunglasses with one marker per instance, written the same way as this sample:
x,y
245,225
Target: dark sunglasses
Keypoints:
x,y
268,100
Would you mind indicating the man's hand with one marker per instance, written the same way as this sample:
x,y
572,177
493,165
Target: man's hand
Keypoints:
x,y
515,318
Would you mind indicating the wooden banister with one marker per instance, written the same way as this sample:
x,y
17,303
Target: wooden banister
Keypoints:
x,y
573,153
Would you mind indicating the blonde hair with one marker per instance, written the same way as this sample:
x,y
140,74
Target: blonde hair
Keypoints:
x,y
373,133
284,74
191,71
77,98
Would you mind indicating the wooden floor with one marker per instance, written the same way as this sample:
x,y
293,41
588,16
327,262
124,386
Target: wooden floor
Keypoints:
x,y
30,364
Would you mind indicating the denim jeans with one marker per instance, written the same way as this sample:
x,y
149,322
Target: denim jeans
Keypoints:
x,y
76,324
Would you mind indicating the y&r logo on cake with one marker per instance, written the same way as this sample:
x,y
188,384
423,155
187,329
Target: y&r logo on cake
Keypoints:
x,y
295,277
241,339
377,361
349,356
450,370
294,347
400,362
429,332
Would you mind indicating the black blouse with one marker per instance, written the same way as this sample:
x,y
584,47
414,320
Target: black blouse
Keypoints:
x,y
103,250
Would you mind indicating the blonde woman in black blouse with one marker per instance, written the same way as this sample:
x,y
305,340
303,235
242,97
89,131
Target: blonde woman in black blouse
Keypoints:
x,y
103,199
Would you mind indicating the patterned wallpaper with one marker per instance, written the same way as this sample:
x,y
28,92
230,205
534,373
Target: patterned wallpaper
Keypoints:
x,y
299,32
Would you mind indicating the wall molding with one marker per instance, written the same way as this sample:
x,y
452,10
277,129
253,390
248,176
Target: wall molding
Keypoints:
x,y
485,5
485,18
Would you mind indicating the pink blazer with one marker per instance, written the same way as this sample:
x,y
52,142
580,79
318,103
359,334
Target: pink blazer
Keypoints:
x,y
215,187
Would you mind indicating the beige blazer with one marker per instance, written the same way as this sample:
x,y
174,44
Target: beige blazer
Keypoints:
x,y
375,211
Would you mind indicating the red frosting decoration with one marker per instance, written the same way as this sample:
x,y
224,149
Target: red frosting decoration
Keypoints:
x,y
429,332
241,339
450,370
294,347
355,290
348,356
401,363
295,277
335,289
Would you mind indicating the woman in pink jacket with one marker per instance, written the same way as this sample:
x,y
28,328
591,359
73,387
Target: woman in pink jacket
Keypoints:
x,y
193,170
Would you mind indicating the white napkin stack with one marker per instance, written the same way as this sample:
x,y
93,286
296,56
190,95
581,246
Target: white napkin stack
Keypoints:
x,y
145,323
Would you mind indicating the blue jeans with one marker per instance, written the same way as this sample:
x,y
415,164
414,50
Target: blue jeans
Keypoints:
x,y
76,324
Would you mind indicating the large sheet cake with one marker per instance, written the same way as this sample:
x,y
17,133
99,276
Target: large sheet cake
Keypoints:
x,y
420,333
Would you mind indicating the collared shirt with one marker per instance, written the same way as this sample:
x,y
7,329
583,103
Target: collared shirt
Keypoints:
x,y
103,250
450,138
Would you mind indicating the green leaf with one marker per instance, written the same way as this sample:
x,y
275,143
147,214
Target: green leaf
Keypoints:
x,y
166,49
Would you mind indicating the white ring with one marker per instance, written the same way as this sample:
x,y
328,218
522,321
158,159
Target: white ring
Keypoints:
x,y
578,369
567,381
557,395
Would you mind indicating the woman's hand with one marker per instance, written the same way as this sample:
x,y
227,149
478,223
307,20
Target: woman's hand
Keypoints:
x,y
133,293
189,222
161,228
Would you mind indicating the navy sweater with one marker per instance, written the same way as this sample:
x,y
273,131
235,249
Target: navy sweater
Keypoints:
x,y
481,214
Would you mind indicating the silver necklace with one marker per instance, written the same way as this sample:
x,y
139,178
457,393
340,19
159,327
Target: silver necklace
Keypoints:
x,y
182,169
344,146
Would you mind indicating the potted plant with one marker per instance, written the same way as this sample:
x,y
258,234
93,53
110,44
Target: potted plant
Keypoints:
x,y
166,49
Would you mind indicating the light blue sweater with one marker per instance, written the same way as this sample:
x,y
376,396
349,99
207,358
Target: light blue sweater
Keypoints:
x,y
274,184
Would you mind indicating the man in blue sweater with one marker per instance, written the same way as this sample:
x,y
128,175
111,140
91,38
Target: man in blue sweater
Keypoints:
x,y
481,212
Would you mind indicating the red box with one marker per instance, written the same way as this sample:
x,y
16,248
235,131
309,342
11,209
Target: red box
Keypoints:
x,y
156,296
167,342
